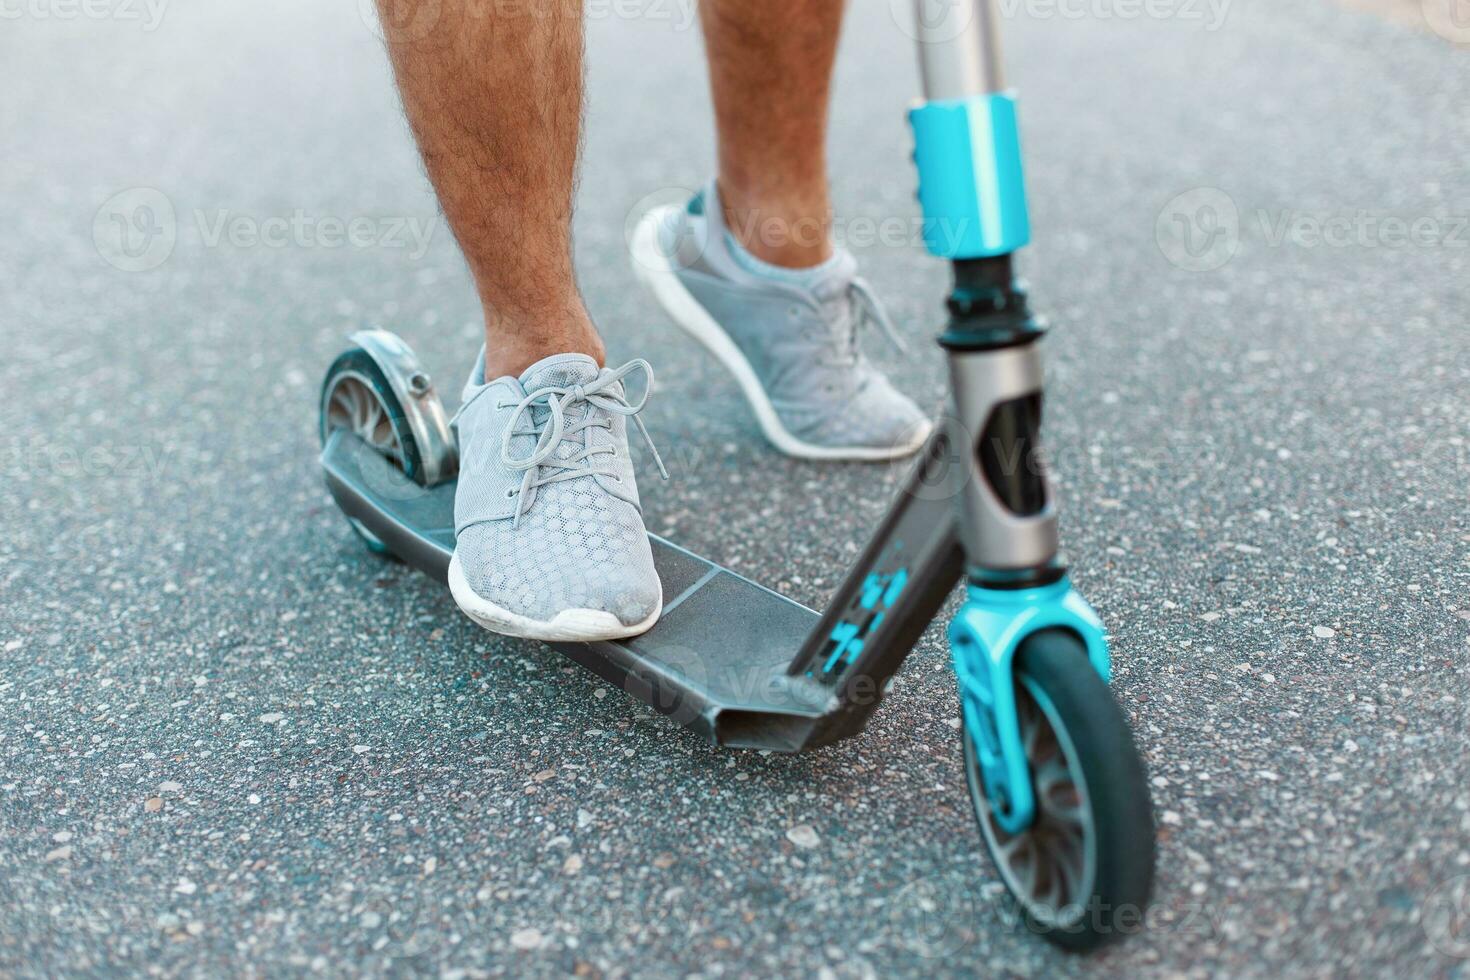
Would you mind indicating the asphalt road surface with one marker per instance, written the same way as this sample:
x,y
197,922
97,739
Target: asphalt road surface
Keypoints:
x,y
233,740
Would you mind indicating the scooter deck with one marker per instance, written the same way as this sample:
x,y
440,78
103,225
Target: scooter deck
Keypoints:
x,y
716,662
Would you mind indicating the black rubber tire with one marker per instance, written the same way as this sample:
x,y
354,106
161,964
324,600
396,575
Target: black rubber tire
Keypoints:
x,y
1055,663
357,361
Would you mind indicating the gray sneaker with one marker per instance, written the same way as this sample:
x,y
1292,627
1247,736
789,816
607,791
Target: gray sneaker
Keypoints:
x,y
793,349
549,536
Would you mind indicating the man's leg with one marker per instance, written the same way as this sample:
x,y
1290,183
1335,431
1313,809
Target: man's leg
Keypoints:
x,y
494,95
770,65
549,539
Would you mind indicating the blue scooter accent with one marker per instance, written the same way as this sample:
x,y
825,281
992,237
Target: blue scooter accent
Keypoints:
x,y
971,186
848,637
984,637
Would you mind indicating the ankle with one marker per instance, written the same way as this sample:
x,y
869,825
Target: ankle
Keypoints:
x,y
515,341
789,230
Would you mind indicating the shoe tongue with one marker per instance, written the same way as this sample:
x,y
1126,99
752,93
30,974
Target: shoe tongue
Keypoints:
x,y
834,283
559,371
834,292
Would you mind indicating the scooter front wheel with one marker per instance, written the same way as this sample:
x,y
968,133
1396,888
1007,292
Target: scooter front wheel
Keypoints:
x,y
1081,872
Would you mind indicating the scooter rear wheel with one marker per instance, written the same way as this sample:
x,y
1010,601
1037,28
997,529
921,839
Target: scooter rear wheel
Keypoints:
x,y
357,396
1082,871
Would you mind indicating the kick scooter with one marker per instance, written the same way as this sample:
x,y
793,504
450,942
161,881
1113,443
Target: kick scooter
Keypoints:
x,y
1057,786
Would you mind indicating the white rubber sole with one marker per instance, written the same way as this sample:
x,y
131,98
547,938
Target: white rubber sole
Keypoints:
x,y
656,272
569,625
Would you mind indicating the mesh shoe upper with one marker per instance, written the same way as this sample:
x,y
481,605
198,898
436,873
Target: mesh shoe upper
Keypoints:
x,y
800,338
567,534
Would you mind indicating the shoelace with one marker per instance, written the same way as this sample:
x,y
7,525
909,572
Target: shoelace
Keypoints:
x,y
867,307
875,311
542,466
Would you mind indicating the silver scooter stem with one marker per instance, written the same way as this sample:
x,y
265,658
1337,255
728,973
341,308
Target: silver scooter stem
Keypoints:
x,y
1006,516
959,48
